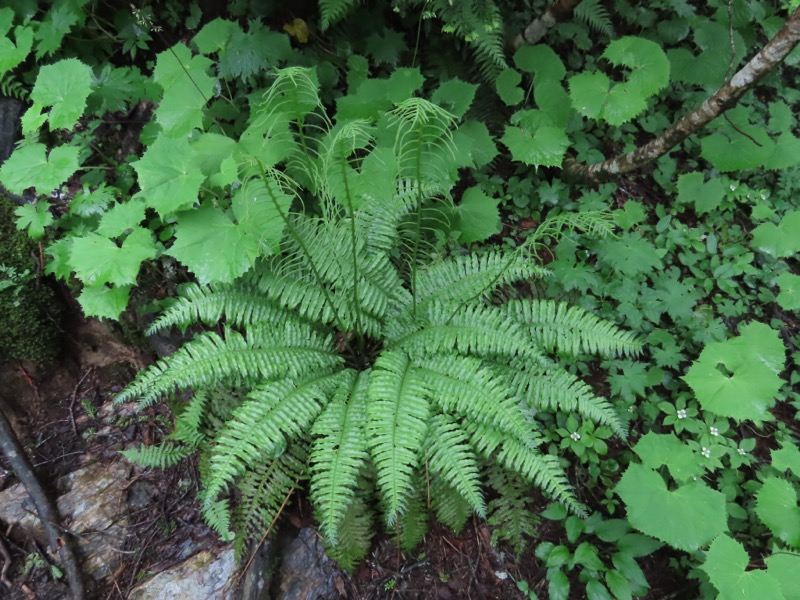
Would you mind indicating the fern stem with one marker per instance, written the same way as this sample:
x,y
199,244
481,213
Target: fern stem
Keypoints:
x,y
299,239
356,301
418,224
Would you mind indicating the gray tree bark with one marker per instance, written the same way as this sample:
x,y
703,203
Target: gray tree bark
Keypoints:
x,y
727,96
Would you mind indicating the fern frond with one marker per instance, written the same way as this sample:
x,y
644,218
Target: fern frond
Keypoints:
x,y
462,386
562,390
473,275
510,514
209,359
594,14
448,505
189,421
239,304
571,329
339,453
449,454
472,330
217,515
263,490
542,470
412,523
355,535
397,416
162,456
273,415
332,11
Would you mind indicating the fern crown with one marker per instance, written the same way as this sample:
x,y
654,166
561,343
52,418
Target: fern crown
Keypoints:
x,y
359,360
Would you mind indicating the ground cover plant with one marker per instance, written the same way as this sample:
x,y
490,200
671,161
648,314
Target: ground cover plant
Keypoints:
x,y
382,214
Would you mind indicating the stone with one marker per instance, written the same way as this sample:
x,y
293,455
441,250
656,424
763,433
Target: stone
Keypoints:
x,y
204,576
93,507
306,572
10,111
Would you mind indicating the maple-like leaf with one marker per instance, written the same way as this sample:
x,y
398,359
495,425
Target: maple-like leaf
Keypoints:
x,y
169,175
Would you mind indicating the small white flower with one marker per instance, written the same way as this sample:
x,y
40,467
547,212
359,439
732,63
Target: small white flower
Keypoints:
x,y
575,435
741,452
733,188
714,431
501,575
681,414
706,452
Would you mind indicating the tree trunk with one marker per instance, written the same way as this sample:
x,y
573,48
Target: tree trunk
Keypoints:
x,y
539,27
727,96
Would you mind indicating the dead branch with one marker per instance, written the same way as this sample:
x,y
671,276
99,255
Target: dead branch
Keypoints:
x,y
727,96
48,513
539,27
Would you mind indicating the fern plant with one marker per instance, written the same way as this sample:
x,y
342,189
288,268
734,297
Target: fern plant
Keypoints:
x,y
357,360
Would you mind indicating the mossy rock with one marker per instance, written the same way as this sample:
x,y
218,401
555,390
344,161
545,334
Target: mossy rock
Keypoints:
x,y
29,310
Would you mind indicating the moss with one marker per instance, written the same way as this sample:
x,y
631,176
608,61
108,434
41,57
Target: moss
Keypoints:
x,y
29,310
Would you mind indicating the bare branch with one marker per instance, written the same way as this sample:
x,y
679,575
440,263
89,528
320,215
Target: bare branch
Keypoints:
x,y
539,27
727,96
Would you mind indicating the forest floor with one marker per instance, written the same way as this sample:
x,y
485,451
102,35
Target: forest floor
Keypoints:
x,y
66,418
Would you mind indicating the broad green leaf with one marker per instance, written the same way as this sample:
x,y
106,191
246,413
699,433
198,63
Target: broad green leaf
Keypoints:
x,y
558,585
13,53
686,518
214,36
211,150
597,591
533,140
787,458
779,241
553,100
706,196
374,96
97,260
637,545
588,92
169,176
86,203
477,216
59,264
665,449
738,378
57,23
648,64
783,567
121,217
30,167
619,585
542,61
455,96
586,555
733,147
64,86
34,218
726,561
103,301
627,565
776,506
629,254
473,139
508,89
785,154
789,296
187,88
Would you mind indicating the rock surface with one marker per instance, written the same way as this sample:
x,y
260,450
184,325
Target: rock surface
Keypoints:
x,y
204,576
306,572
93,507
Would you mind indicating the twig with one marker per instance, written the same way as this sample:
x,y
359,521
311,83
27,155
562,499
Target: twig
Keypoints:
x,y
31,383
74,397
48,513
6,564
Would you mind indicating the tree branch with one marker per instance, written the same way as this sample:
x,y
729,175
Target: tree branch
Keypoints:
x,y
727,96
48,513
539,27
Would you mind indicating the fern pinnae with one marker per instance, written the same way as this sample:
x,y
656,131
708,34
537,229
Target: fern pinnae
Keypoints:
x,y
450,455
593,13
397,416
161,456
339,452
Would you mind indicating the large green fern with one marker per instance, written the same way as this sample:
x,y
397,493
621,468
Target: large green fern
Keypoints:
x,y
362,365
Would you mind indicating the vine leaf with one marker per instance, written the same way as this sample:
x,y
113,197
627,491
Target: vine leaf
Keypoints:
x,y
747,382
34,218
776,506
594,96
169,176
121,217
783,567
533,139
13,53
787,458
104,301
778,240
64,86
98,260
455,96
687,518
542,61
726,561
789,296
705,195
477,216
658,449
508,89
187,88
29,166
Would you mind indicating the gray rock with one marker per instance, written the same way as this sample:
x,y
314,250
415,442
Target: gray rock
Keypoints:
x,y
204,576
10,111
306,572
93,508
